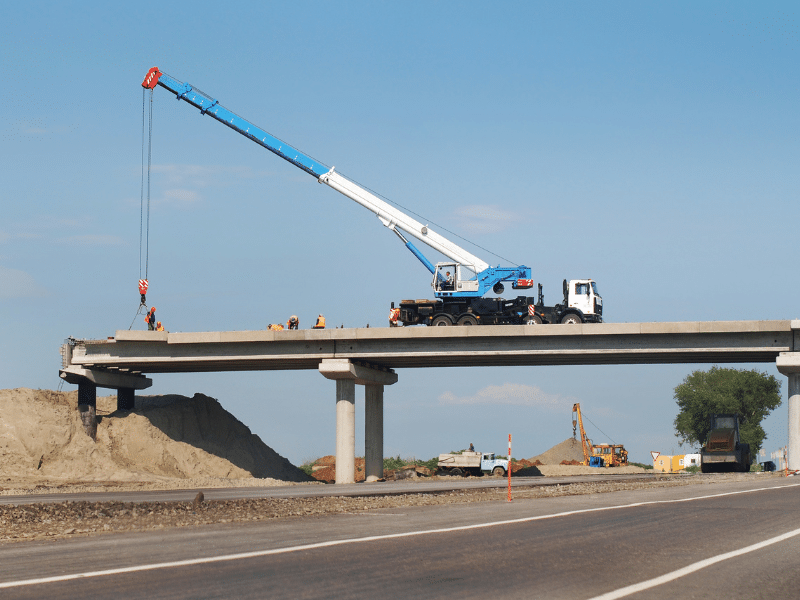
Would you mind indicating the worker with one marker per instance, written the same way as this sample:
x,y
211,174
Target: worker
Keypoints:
x,y
320,323
275,327
394,314
471,447
293,322
150,319
159,326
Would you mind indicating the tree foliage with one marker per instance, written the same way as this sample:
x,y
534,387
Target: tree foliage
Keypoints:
x,y
750,394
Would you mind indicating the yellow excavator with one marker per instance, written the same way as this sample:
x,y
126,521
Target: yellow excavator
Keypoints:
x,y
597,455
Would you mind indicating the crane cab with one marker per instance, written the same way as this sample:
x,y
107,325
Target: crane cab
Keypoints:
x,y
453,278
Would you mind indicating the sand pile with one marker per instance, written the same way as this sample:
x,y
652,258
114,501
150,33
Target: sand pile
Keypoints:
x,y
41,437
568,450
566,458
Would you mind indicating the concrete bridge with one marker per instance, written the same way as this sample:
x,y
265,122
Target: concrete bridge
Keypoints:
x,y
369,356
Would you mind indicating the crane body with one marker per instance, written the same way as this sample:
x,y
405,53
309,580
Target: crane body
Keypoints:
x,y
459,285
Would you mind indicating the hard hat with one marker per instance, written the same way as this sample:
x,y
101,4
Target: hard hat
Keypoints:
x,y
153,309
158,323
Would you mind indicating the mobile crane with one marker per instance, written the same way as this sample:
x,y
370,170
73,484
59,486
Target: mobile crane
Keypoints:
x,y
597,455
460,284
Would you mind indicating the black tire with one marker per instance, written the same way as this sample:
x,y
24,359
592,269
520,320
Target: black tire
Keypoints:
x,y
467,320
456,472
533,320
498,471
441,321
571,319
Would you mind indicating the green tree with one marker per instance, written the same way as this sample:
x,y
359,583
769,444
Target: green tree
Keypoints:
x,y
751,394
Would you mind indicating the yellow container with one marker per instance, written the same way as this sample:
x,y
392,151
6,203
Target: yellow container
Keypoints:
x,y
668,464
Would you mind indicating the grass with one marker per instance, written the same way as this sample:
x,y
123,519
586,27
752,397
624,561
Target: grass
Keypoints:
x,y
642,465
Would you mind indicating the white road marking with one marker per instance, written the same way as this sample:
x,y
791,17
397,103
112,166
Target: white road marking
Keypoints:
x,y
259,553
646,585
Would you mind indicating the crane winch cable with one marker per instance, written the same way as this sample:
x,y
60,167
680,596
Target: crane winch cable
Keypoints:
x,y
144,221
598,429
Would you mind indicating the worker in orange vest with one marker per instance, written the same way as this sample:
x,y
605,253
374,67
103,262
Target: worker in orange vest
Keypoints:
x,y
159,326
394,314
275,327
293,322
320,323
150,319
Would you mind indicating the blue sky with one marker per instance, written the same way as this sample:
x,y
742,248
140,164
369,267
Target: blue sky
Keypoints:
x,y
650,146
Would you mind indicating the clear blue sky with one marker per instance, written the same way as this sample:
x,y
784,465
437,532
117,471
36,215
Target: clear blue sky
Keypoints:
x,y
650,146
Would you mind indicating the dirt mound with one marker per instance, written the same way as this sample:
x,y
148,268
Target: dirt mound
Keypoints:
x,y
41,437
568,450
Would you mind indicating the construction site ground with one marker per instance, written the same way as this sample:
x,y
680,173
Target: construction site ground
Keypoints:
x,y
174,442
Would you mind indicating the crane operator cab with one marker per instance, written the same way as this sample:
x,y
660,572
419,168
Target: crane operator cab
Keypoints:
x,y
582,294
454,277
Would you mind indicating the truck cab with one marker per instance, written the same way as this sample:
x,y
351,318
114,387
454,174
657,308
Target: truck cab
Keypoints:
x,y
581,295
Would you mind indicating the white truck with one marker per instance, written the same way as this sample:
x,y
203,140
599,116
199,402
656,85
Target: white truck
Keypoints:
x,y
471,463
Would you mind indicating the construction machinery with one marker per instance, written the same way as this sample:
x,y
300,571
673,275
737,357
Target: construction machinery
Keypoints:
x,y
597,455
471,463
459,284
724,451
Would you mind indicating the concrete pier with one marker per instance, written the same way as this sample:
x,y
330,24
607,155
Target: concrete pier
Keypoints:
x,y
87,407
373,432
788,364
347,374
345,431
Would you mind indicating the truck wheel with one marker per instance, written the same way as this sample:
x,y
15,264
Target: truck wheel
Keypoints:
x,y
498,471
456,471
441,321
533,320
571,319
467,320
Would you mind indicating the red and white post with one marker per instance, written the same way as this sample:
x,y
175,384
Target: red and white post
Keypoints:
x,y
509,467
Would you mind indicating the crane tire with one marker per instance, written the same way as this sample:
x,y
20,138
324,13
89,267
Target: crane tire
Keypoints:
x,y
441,321
467,320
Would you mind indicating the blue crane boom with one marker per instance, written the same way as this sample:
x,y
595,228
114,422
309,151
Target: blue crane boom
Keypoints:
x,y
472,277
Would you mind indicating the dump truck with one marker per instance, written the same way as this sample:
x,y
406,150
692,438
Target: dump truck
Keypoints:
x,y
724,451
471,463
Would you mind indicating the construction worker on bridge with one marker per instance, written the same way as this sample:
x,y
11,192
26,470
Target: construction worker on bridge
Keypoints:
x,y
394,314
275,327
320,323
293,322
159,326
150,319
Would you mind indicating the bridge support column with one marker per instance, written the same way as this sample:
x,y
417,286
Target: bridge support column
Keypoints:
x,y
345,431
788,363
373,432
347,374
126,399
87,407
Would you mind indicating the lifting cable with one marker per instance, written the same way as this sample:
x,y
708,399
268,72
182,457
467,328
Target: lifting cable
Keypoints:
x,y
144,215
598,429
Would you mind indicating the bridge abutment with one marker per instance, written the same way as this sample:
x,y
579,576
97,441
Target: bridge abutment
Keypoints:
x,y
347,374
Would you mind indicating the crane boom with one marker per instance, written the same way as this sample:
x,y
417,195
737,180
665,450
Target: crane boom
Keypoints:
x,y
390,216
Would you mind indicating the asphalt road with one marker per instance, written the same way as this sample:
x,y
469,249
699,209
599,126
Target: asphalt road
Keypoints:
x,y
568,547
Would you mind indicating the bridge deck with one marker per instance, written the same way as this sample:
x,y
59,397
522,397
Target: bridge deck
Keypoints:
x,y
418,347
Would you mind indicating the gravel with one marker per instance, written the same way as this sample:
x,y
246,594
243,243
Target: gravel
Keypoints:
x,y
69,519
